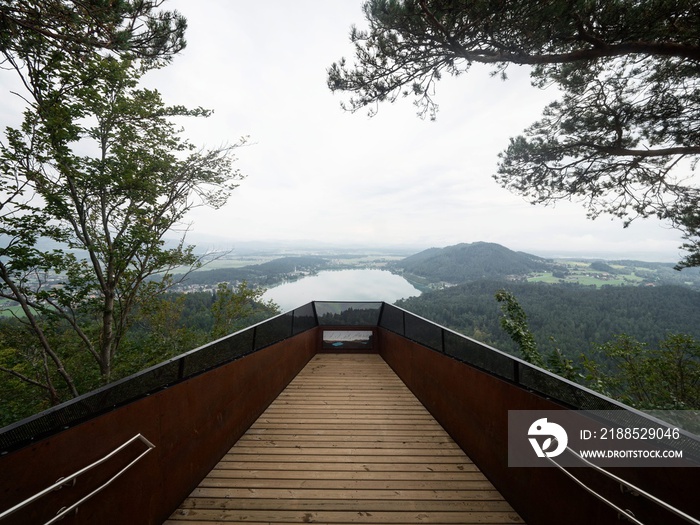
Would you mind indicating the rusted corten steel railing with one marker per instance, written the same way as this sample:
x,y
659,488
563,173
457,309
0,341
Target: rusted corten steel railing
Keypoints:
x,y
195,407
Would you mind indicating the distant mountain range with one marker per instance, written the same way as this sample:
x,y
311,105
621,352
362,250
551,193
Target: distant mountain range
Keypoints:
x,y
462,263
470,262
454,264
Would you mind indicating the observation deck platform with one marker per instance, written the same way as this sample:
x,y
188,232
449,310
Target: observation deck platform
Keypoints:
x,y
266,426
345,442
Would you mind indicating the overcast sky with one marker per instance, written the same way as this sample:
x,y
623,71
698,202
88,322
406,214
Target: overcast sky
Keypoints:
x,y
315,172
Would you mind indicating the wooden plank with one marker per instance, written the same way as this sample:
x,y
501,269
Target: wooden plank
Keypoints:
x,y
319,419
346,442
281,473
307,442
349,505
301,494
364,517
342,411
350,432
348,426
345,484
248,466
299,450
342,459
340,473
357,440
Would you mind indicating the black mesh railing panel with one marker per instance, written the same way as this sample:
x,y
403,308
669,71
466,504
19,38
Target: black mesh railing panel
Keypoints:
x,y
163,375
89,405
133,387
348,313
423,332
478,355
217,353
29,430
392,319
304,318
561,390
275,330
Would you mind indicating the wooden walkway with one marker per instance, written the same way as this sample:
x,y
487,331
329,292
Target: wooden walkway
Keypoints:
x,y
346,442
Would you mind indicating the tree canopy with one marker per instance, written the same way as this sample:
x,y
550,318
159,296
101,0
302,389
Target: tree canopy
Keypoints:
x,y
77,27
624,136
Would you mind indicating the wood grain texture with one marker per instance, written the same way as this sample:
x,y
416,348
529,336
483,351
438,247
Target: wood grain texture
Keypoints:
x,y
345,442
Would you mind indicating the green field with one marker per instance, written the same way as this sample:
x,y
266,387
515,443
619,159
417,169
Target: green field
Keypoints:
x,y
580,272
9,311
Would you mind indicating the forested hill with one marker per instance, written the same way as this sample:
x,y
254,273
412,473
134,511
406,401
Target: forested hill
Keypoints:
x,y
574,315
259,274
470,262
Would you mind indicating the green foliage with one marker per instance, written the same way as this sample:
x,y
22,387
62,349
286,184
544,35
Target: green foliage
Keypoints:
x,y
514,322
97,168
74,27
560,365
19,397
621,139
232,305
600,266
575,316
664,377
163,326
115,206
168,324
157,333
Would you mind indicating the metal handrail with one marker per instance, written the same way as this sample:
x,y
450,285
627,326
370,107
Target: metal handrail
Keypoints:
x,y
63,481
627,484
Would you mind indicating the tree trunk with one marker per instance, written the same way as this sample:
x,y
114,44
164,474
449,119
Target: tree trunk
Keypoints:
x,y
107,336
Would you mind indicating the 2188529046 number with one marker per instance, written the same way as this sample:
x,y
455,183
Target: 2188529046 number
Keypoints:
x,y
655,433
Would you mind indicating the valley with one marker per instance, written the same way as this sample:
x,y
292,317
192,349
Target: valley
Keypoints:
x,y
438,268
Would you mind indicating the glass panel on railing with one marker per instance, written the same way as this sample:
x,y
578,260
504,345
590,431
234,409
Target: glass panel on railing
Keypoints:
x,y
304,318
347,339
392,319
274,330
348,314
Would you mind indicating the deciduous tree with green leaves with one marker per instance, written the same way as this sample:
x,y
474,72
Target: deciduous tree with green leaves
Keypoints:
x,y
623,138
235,303
514,323
666,377
94,179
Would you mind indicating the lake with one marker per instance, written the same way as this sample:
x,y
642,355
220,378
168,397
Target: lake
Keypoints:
x,y
342,285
